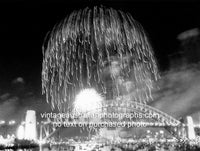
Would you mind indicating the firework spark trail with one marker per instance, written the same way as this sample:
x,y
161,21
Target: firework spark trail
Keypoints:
x,y
88,43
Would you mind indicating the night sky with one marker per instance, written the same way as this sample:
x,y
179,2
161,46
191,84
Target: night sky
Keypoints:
x,y
23,26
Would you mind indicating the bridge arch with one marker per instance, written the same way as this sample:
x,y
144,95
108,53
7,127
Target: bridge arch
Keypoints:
x,y
139,108
160,120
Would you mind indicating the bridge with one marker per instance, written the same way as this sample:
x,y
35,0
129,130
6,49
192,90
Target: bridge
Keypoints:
x,y
158,118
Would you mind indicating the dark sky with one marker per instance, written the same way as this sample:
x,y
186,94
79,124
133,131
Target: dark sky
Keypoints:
x,y
23,26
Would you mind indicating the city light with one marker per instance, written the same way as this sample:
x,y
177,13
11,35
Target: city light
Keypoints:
x,y
12,122
161,132
2,122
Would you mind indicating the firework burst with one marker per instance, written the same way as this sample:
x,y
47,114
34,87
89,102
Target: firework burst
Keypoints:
x,y
99,48
88,100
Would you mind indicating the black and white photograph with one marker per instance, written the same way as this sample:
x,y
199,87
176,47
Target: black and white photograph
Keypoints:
x,y
100,75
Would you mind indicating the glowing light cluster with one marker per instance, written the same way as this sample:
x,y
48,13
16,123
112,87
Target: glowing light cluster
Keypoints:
x,y
12,122
2,122
101,48
88,100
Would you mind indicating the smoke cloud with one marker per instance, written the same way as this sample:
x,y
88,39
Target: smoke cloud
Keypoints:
x,y
179,93
8,107
20,98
